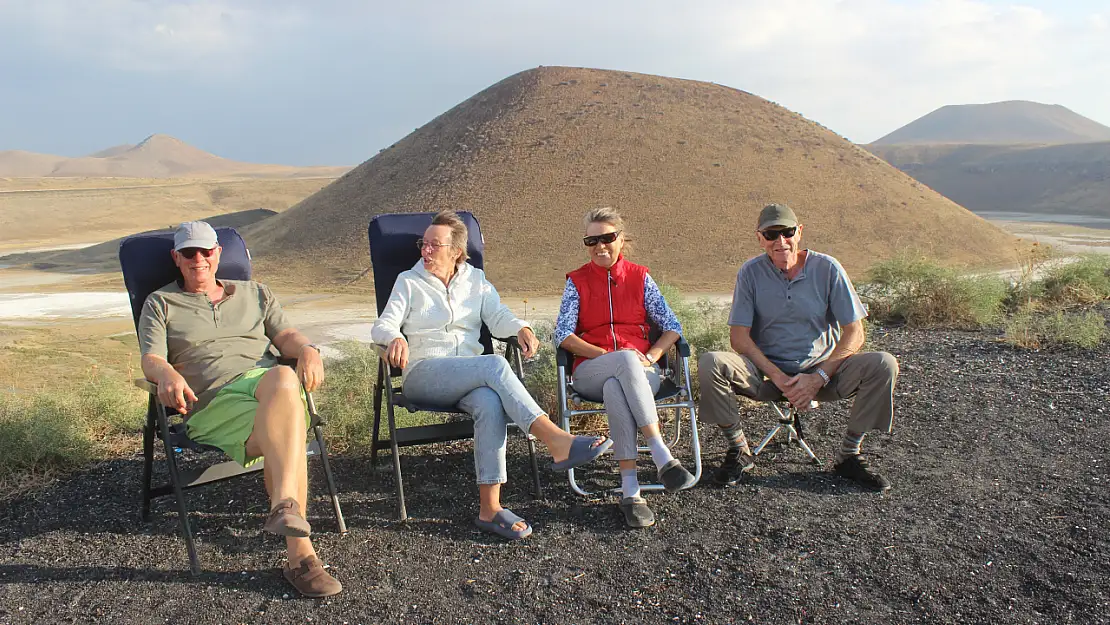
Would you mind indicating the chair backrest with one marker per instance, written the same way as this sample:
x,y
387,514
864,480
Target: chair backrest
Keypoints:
x,y
147,266
393,249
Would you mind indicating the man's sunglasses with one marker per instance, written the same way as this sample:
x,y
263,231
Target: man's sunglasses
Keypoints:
x,y
773,235
191,252
608,237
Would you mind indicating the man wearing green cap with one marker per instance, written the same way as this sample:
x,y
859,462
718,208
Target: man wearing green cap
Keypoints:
x,y
796,327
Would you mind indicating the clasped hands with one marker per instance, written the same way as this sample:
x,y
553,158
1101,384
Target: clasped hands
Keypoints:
x,y
800,389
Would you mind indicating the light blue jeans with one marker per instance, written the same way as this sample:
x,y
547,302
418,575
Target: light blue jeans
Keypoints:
x,y
484,387
628,390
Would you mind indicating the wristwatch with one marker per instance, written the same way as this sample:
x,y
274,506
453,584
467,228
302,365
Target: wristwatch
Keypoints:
x,y
824,376
315,347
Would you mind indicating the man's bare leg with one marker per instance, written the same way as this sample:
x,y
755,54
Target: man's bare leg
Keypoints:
x,y
279,436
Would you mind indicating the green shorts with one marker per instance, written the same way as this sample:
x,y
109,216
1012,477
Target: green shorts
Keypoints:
x,y
228,420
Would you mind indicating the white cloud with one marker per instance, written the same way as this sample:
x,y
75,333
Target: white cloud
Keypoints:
x,y
860,67
154,35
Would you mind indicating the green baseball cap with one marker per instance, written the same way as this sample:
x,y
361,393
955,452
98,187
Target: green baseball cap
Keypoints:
x,y
777,215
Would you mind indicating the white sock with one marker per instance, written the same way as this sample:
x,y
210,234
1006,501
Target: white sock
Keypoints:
x,y
660,453
630,484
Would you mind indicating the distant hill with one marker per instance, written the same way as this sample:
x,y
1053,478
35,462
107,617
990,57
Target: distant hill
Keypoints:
x,y
1012,122
157,156
112,151
1055,179
689,164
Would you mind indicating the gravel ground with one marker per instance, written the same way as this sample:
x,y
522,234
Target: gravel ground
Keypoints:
x,y
997,516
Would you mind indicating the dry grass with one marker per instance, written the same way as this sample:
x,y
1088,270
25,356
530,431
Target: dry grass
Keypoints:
x,y
689,164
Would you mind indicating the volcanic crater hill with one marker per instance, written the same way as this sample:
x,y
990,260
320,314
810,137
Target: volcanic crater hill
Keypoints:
x,y
999,123
689,164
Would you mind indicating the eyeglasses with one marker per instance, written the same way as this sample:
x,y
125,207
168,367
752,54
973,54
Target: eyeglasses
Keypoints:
x,y
421,244
773,235
608,237
191,252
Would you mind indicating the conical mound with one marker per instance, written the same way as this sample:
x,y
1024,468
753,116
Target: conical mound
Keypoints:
x,y
689,165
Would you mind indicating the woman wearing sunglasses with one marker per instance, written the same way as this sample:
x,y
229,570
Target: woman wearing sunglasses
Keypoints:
x,y
431,325
604,321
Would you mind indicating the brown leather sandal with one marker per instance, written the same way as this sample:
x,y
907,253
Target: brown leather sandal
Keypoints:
x,y
311,579
286,520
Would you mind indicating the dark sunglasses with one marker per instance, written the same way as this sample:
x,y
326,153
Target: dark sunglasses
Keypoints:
x,y
191,252
608,237
773,235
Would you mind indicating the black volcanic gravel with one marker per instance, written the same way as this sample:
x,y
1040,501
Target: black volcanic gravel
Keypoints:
x,y
998,515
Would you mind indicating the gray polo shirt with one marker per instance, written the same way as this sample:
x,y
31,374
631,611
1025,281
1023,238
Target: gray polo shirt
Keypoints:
x,y
211,344
795,323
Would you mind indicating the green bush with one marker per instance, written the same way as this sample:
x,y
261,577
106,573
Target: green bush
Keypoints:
x,y
1085,281
923,293
57,430
704,322
1028,329
346,400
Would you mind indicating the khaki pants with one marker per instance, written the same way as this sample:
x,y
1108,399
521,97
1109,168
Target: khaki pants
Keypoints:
x,y
868,377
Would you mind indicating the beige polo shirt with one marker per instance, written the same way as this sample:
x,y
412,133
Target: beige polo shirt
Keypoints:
x,y
212,344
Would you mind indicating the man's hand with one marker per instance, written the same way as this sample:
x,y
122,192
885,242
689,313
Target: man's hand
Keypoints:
x,y
310,368
529,344
174,393
801,389
397,354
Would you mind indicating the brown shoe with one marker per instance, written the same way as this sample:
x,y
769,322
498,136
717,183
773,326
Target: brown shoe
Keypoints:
x,y
311,579
286,520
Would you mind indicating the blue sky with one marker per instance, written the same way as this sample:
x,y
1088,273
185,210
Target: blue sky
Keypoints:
x,y
332,81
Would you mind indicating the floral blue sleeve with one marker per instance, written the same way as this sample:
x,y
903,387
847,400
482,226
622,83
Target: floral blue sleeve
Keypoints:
x,y
567,320
657,309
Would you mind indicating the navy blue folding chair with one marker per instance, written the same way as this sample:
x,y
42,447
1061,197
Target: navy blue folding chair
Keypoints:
x,y
393,250
147,266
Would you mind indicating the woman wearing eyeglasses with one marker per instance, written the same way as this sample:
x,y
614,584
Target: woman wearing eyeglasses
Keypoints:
x,y
431,325
604,321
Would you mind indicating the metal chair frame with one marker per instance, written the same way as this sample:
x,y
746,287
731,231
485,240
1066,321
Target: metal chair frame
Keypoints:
x,y
674,394
462,429
790,421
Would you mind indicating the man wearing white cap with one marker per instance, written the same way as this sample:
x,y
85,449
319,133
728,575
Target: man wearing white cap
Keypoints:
x,y
205,343
796,320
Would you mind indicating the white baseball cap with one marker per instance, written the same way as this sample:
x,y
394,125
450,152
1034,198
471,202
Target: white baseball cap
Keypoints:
x,y
195,234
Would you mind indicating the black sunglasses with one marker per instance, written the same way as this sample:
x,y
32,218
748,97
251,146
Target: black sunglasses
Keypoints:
x,y
191,252
608,237
773,235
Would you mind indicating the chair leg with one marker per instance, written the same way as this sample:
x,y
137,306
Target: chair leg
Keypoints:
x,y
402,514
332,491
148,461
537,488
179,494
378,388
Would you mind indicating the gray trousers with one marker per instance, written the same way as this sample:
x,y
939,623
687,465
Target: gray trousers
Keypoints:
x,y
627,389
484,387
869,377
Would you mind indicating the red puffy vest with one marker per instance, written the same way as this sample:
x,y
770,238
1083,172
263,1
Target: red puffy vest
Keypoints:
x,y
611,312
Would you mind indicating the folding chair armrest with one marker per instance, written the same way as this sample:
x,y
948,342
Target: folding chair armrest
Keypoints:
x,y
145,385
511,340
563,358
288,362
381,349
683,347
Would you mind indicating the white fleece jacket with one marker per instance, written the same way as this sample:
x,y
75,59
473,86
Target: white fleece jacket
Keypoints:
x,y
439,320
